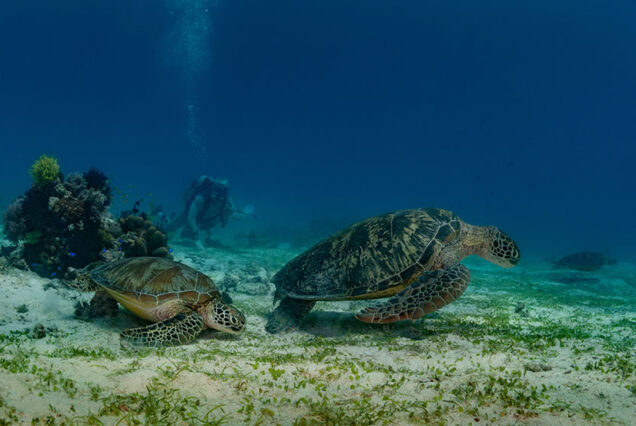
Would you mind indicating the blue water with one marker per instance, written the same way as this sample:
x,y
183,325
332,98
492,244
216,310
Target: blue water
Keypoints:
x,y
519,114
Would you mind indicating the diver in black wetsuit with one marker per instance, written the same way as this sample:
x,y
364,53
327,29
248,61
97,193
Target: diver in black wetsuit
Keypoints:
x,y
207,204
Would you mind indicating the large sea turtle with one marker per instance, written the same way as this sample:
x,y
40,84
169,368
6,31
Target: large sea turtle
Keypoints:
x,y
413,255
180,301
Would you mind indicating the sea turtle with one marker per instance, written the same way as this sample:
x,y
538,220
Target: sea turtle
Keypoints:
x,y
181,301
584,261
413,255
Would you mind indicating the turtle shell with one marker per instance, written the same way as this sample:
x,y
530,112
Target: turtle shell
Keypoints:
x,y
153,280
370,259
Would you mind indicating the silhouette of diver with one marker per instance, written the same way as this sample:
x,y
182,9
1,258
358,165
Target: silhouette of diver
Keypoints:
x,y
207,204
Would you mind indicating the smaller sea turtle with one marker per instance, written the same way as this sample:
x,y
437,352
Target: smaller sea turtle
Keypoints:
x,y
181,301
584,261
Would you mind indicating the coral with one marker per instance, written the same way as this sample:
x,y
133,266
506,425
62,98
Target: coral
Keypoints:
x,y
45,170
69,210
142,238
58,225
66,224
13,219
95,179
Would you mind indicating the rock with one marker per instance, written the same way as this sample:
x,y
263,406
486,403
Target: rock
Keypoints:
x,y
255,279
101,305
71,273
537,366
229,282
49,285
37,332
82,311
253,269
4,263
21,264
255,289
161,252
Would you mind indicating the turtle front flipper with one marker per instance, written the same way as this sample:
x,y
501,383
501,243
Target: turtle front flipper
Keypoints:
x,y
181,329
429,293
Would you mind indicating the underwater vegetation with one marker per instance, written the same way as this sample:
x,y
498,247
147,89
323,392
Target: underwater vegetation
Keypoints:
x,y
45,170
512,350
62,223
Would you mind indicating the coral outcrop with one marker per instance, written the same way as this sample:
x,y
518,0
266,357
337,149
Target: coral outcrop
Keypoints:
x,y
61,224
141,238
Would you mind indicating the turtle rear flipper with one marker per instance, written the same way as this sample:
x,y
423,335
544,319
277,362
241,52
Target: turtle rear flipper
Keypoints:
x,y
429,293
178,330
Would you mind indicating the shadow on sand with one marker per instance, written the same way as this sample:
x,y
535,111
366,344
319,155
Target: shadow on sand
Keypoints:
x,y
342,324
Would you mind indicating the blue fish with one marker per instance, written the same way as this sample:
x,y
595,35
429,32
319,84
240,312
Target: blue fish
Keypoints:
x,y
104,250
53,274
170,250
34,264
70,253
59,268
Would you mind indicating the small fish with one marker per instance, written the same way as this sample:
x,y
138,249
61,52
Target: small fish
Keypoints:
x,y
53,274
104,250
120,241
59,268
170,250
34,264
70,253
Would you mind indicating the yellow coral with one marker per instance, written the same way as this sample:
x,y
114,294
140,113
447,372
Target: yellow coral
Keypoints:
x,y
45,170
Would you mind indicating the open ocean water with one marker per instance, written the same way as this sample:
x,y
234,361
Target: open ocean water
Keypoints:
x,y
228,138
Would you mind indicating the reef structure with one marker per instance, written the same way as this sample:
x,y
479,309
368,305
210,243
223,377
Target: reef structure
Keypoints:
x,y
63,223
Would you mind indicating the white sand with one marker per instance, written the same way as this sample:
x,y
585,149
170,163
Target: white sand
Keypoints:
x,y
465,364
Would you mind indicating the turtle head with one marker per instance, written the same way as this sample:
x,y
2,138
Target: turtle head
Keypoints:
x,y
81,279
221,316
499,248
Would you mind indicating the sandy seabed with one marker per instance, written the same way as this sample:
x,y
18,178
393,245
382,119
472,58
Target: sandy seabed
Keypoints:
x,y
528,345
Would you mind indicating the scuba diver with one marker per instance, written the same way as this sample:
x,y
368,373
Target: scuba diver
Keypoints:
x,y
207,204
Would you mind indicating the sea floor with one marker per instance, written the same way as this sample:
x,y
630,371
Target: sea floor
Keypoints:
x,y
527,345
